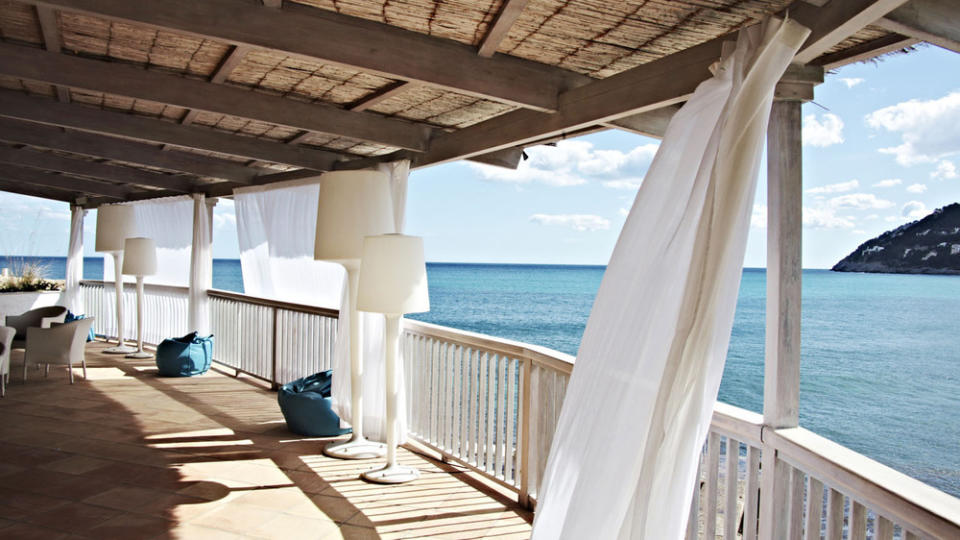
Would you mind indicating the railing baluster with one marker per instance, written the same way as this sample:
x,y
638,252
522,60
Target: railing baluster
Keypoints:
x,y
814,508
796,503
730,502
751,495
693,520
884,529
858,521
491,414
511,421
456,371
834,515
710,486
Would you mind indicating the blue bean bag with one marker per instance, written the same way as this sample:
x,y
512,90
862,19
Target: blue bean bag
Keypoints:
x,y
185,356
307,406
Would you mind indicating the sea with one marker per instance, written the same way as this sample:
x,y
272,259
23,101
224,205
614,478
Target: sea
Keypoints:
x,y
880,370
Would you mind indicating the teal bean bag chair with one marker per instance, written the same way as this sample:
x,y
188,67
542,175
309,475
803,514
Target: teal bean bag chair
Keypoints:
x,y
185,356
307,406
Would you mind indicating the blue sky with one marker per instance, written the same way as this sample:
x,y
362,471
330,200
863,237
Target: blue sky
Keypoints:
x,y
881,148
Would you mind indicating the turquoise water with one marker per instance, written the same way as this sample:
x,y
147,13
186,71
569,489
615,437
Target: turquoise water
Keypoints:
x,y
881,358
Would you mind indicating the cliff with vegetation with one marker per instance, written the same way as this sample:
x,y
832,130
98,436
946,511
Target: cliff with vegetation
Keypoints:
x,y
928,246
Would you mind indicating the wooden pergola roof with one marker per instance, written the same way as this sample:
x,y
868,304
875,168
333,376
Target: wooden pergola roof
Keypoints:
x,y
109,100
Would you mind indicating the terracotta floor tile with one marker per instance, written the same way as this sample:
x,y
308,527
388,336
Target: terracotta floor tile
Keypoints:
x,y
76,465
73,517
129,455
131,527
129,498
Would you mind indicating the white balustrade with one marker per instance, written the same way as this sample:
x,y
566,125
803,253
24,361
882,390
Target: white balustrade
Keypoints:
x,y
492,405
164,310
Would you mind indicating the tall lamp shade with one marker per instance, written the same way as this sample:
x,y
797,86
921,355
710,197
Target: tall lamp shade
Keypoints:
x,y
393,277
114,223
352,205
139,257
393,281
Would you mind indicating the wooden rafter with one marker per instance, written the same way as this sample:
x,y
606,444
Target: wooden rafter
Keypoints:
x,y
45,111
101,146
864,51
509,13
36,177
933,21
51,41
654,85
98,171
33,190
114,78
322,36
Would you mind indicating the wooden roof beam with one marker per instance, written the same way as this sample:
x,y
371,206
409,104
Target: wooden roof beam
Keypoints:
x,y
933,21
220,74
51,41
509,13
124,80
864,51
99,171
654,85
106,147
32,190
20,106
319,35
35,177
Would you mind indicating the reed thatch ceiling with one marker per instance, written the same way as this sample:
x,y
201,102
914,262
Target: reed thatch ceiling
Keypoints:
x,y
223,93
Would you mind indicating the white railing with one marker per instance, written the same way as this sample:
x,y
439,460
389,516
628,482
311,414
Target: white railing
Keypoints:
x,y
492,405
275,341
164,310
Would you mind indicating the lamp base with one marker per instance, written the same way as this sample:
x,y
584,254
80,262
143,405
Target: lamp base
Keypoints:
x,y
355,449
396,474
120,349
140,355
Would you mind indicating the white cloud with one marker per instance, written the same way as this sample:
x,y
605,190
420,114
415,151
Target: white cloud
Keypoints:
x,y
917,188
827,132
621,184
859,231
577,222
892,219
840,187
889,183
825,213
824,217
758,218
624,212
859,201
224,220
872,217
929,130
945,170
572,163
914,210
851,81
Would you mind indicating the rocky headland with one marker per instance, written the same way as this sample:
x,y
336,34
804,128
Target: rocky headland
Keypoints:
x,y
928,246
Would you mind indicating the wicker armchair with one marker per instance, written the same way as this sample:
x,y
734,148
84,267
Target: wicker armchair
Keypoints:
x,y
60,344
40,317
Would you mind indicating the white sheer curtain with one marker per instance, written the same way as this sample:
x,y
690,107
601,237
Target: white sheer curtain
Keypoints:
x,y
201,268
640,400
374,374
276,226
71,297
169,221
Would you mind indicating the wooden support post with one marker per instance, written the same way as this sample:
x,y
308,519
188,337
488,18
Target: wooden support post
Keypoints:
x,y
782,370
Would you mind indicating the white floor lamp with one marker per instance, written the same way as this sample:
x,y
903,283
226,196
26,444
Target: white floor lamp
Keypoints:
x,y
352,205
114,223
393,281
139,259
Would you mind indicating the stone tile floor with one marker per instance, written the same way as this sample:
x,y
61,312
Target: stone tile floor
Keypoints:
x,y
127,455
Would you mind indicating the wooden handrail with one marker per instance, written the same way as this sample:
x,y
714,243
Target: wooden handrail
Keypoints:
x,y
919,506
289,306
542,356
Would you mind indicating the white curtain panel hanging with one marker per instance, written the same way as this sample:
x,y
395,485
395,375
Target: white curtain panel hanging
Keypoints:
x,y
201,268
169,221
374,340
638,407
276,226
71,290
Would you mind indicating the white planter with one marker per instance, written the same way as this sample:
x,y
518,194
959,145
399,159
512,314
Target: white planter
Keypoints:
x,y
15,303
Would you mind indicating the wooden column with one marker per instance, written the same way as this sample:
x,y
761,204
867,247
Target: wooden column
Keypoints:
x,y
781,388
